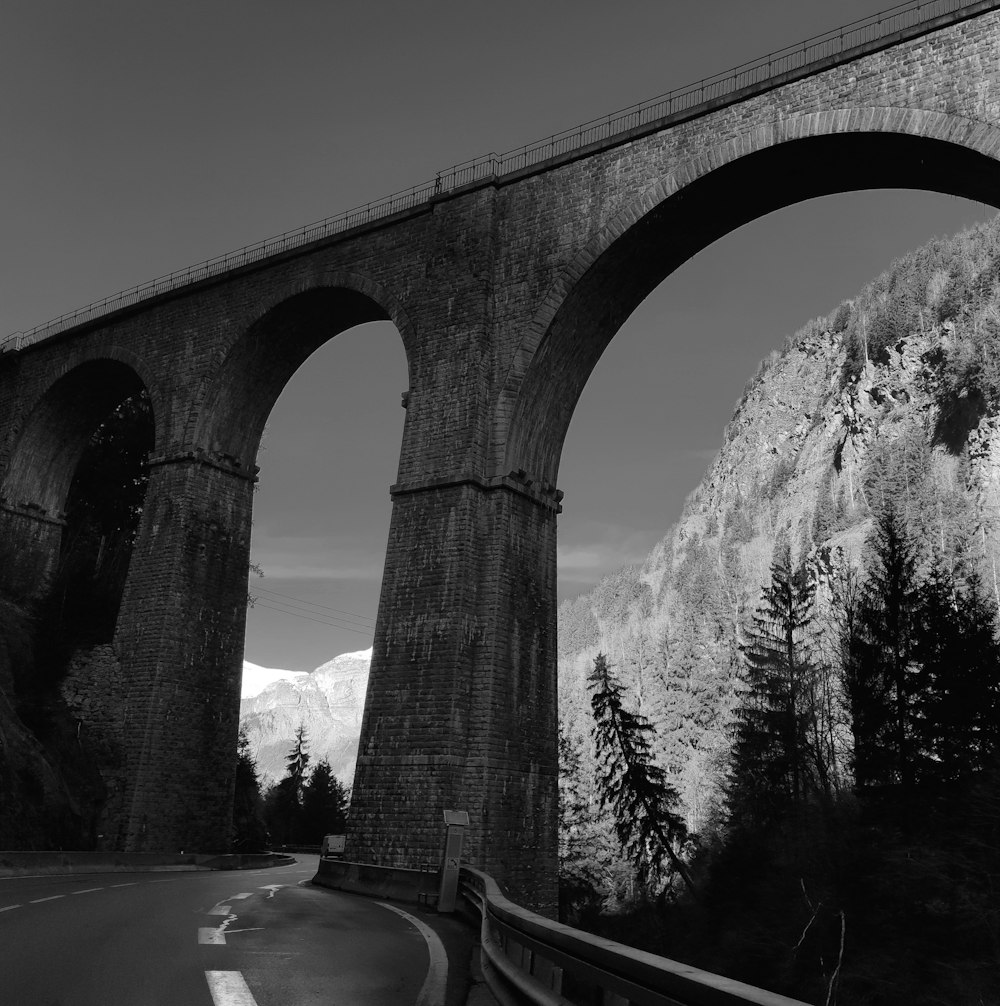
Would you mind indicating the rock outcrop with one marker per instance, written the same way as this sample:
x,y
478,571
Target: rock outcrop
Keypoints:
x,y
328,702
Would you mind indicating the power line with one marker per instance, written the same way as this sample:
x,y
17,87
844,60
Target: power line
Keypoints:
x,y
320,621
319,609
292,609
312,604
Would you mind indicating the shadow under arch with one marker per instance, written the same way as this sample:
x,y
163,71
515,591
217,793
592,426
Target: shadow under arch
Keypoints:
x,y
58,428
695,204
241,393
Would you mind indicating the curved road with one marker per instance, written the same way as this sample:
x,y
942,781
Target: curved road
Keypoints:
x,y
236,938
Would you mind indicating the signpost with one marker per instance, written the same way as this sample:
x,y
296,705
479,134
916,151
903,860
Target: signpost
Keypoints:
x,y
457,821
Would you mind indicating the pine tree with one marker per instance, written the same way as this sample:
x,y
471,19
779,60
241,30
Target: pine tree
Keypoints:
x,y
578,878
249,831
297,759
324,805
774,760
643,803
881,692
283,804
957,700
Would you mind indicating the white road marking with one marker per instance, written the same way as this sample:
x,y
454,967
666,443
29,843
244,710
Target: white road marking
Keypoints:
x,y
239,897
219,909
273,889
229,989
87,890
432,992
53,897
132,883
217,934
9,908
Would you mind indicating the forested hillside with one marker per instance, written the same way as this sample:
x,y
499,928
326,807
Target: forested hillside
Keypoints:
x,y
814,647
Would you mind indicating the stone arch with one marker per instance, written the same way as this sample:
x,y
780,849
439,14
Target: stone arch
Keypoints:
x,y
58,426
732,183
228,417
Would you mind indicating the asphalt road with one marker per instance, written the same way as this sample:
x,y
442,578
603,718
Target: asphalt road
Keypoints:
x,y
235,938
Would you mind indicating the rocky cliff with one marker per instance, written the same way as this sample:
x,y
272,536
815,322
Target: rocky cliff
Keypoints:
x,y
896,391
328,702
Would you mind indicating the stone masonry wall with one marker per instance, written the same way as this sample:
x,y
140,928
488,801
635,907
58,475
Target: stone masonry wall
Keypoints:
x,y
94,692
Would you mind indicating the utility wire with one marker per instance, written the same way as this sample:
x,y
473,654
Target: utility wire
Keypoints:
x,y
312,608
321,621
312,604
322,616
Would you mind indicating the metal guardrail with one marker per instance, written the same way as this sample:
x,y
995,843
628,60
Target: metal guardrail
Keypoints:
x,y
904,19
528,960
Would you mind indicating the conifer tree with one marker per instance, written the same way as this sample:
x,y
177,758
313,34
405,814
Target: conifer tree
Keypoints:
x,y
577,876
284,800
297,759
249,831
643,802
774,760
957,701
880,677
324,804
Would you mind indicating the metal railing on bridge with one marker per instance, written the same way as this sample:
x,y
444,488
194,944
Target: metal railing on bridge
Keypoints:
x,y
529,960
900,21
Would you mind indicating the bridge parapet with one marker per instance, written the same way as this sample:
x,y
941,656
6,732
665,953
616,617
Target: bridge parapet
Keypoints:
x,y
528,959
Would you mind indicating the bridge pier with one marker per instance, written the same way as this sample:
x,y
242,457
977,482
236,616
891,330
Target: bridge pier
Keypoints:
x,y
30,539
461,706
180,636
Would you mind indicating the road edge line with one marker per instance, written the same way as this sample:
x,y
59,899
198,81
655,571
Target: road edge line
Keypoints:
x,y
432,992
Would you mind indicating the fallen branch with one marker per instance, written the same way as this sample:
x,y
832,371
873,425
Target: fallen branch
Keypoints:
x,y
840,960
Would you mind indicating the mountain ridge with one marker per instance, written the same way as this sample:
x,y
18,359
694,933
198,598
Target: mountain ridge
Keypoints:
x,y
328,702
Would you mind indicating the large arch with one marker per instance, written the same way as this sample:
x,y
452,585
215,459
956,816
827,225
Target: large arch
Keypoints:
x,y
47,452
231,412
57,427
693,205
191,584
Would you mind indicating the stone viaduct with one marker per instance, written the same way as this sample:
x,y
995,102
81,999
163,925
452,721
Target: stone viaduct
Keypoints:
x,y
505,282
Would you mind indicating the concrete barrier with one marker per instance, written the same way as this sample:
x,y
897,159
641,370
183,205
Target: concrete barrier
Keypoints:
x,y
396,883
15,864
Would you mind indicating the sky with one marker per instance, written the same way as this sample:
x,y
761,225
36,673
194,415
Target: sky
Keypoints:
x,y
140,137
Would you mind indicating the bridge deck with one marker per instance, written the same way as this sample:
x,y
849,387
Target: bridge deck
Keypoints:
x,y
839,45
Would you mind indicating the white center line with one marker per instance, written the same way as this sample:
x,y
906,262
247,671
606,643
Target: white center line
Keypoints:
x,y
9,908
239,897
87,890
131,884
229,989
210,935
52,897
219,910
